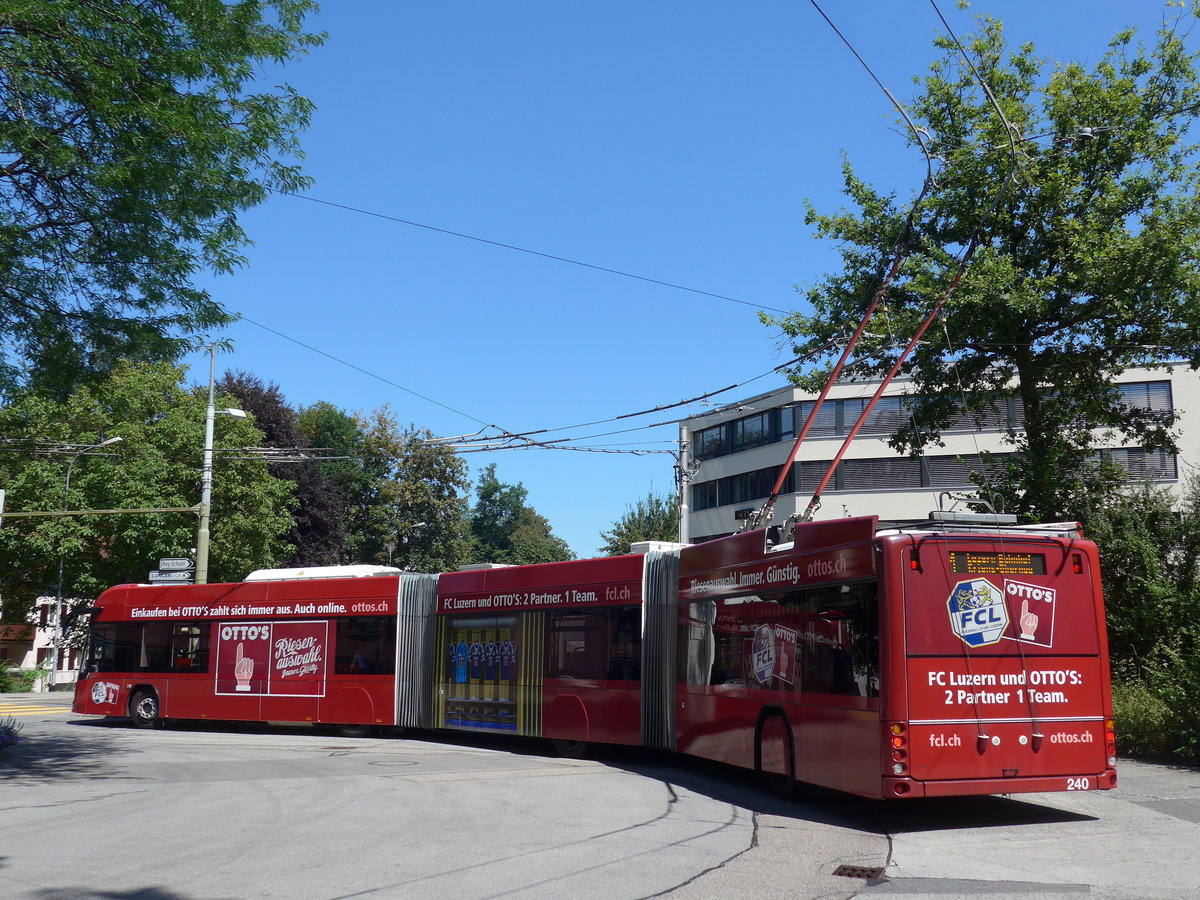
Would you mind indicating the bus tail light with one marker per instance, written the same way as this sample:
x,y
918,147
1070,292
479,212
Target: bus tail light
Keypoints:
x,y
898,738
1077,563
1110,741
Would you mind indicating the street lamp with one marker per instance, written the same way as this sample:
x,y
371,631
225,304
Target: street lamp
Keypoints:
x,y
58,598
206,474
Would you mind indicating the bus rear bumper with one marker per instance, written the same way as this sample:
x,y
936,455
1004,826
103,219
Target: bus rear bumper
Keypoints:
x,y
908,787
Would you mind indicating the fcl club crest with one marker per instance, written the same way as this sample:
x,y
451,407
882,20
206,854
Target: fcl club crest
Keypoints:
x,y
763,654
977,612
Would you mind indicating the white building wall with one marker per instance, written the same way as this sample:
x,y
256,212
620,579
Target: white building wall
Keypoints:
x,y
887,503
27,654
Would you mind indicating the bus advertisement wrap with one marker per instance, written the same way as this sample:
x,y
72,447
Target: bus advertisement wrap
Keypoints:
x,y
280,659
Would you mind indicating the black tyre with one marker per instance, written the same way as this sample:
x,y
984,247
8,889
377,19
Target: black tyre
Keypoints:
x,y
357,731
783,786
145,711
572,749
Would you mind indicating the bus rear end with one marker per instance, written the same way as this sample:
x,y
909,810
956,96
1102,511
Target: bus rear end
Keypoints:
x,y
1002,685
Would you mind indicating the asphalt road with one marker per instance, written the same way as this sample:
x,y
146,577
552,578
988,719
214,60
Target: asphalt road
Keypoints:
x,y
96,809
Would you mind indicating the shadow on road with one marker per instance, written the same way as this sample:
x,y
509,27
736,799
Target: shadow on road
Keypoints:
x,y
65,754
146,893
88,754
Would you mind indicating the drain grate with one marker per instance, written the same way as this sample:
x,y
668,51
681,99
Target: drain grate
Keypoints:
x,y
868,872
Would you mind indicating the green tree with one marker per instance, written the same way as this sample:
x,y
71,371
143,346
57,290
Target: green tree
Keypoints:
x,y
156,465
1083,199
652,518
504,529
129,144
412,506
1148,559
316,536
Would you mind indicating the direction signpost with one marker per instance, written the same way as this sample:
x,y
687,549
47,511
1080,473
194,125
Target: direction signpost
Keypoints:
x,y
174,570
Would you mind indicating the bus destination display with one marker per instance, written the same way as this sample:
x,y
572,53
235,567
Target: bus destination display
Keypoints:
x,y
967,562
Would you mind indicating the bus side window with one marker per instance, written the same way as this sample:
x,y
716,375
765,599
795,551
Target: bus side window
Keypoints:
x,y
189,647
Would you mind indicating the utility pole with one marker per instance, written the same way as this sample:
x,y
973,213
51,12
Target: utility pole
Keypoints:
x,y
206,472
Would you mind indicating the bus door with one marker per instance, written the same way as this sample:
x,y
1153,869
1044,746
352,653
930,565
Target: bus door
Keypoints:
x,y
1006,665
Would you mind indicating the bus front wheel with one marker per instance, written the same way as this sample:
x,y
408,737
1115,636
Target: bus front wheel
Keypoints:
x,y
572,749
145,711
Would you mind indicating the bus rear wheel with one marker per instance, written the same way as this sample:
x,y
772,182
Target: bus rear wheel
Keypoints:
x,y
145,711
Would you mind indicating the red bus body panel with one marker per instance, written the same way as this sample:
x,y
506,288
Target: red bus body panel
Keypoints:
x,y
483,612
284,627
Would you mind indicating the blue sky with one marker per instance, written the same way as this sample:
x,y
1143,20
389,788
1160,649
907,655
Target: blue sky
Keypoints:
x,y
674,141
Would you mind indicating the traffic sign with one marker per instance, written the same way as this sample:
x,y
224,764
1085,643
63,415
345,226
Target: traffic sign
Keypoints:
x,y
176,563
157,576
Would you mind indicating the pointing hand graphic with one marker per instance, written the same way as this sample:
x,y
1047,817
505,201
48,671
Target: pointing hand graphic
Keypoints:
x,y
243,669
1029,622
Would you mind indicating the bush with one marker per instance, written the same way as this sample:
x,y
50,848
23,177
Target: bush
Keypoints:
x,y
9,729
1155,705
1143,720
19,681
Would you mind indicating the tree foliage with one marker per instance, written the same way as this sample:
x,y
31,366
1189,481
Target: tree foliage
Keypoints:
x,y
316,534
504,529
652,518
412,503
131,137
156,465
1083,199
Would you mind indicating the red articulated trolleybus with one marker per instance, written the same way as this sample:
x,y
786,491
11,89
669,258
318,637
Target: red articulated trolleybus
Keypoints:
x,y
958,656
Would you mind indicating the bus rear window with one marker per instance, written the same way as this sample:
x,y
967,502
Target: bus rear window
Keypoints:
x,y
970,562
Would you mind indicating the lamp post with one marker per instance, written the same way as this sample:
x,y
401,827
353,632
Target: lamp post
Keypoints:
x,y
58,597
206,473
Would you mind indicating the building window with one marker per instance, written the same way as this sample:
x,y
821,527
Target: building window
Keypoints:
x,y
752,431
705,495
1144,465
711,442
1151,395
888,473
826,421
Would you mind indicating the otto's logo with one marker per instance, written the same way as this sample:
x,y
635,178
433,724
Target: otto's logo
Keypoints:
x,y
977,612
763,658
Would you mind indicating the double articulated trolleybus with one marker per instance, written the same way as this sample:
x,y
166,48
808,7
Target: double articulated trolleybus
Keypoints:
x,y
939,659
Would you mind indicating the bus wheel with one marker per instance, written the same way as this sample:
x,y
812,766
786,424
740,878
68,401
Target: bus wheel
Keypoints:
x,y
145,710
785,787
571,749
775,738
356,731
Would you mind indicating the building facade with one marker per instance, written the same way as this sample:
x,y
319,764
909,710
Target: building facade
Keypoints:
x,y
731,457
25,647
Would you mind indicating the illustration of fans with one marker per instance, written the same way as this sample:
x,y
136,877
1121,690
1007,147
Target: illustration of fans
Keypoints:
x,y
243,669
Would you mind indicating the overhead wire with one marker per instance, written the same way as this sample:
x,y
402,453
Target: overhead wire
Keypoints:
x,y
527,250
656,409
480,442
